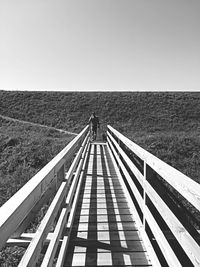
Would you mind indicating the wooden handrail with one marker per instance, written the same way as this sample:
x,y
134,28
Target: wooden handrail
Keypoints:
x,y
17,208
188,188
32,252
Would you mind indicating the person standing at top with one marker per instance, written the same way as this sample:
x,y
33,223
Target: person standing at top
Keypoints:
x,y
94,122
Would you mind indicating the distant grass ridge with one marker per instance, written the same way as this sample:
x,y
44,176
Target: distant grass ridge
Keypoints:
x,y
165,123
139,111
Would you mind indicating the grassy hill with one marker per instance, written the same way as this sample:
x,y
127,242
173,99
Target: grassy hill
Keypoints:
x,y
129,112
24,150
167,124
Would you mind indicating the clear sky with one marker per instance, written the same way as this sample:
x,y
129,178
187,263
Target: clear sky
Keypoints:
x,y
100,45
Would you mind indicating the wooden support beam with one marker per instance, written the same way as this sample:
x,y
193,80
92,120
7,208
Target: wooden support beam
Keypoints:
x,y
50,253
188,244
44,199
51,250
63,249
31,255
25,239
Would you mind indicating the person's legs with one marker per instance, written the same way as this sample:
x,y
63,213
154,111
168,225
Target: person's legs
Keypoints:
x,y
94,132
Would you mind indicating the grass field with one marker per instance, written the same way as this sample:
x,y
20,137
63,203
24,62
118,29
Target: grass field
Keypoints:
x,y
24,150
129,112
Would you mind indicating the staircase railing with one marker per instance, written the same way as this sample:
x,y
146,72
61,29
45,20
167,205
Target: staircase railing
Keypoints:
x,y
164,201
16,213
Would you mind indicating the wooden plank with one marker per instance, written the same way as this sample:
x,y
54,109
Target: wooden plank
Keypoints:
x,y
107,235
31,253
108,205
101,205
186,241
120,195
104,186
44,198
106,258
131,165
132,185
165,247
104,218
103,191
75,201
73,186
113,246
103,200
101,187
101,226
91,171
17,242
101,179
62,252
104,211
51,250
25,239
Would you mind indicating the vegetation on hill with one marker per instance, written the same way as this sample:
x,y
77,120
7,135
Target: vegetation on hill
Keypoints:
x,y
178,149
165,123
24,150
129,112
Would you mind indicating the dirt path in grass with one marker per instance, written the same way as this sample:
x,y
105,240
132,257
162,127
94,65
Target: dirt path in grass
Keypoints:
x,y
37,124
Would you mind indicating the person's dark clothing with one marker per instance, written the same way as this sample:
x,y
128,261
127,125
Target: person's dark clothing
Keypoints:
x,y
94,122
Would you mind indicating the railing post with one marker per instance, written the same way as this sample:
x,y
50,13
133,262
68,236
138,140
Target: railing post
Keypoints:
x,y
61,173
144,194
118,153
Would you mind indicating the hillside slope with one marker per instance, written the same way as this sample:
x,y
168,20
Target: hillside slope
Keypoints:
x,y
166,124
24,150
127,111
